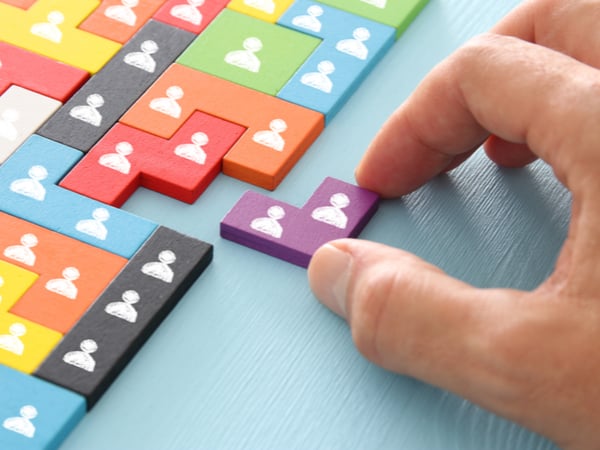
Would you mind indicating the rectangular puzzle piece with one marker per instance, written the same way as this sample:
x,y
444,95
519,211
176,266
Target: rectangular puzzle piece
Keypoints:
x,y
335,210
95,351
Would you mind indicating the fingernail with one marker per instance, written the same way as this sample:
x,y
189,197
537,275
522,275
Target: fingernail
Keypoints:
x,y
329,275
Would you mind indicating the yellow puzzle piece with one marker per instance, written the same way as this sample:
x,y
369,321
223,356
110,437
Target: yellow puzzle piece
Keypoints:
x,y
23,344
14,282
49,27
267,10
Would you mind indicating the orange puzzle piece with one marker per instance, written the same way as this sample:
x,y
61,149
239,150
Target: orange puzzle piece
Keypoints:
x,y
72,274
277,132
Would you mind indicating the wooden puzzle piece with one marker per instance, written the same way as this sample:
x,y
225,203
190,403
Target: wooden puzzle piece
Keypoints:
x,y
22,112
181,167
91,356
24,344
35,414
351,46
69,274
267,10
190,15
97,106
336,210
396,13
119,20
14,282
277,132
28,190
23,68
249,51
49,27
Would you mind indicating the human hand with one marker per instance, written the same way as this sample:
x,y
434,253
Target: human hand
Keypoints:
x,y
528,89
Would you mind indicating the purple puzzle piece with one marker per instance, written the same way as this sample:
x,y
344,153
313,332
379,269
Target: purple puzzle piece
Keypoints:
x,y
336,210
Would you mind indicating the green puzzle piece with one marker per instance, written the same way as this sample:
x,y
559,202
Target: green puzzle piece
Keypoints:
x,y
395,13
248,51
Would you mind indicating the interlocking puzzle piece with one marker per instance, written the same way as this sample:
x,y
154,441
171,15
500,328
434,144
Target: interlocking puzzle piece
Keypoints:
x,y
97,106
91,356
277,132
119,20
14,282
181,167
34,414
336,210
351,47
49,27
28,190
396,13
22,112
23,68
267,10
191,15
249,51
24,344
70,274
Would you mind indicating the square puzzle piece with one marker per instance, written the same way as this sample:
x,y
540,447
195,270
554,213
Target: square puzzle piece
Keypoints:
x,y
249,51
190,15
335,210
35,414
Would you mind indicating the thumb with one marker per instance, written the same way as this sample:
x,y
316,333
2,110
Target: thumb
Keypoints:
x,y
410,317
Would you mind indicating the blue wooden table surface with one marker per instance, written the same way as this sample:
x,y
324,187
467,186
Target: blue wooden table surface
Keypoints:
x,y
249,359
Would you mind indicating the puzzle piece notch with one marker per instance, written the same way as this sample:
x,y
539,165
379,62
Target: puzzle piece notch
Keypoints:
x,y
193,15
23,68
95,351
277,132
335,210
181,167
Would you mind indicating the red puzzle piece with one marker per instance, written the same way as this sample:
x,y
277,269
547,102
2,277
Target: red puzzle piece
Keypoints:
x,y
192,16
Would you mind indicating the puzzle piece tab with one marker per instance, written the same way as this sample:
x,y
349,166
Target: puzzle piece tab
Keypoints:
x,y
249,51
277,132
96,350
14,282
28,190
49,27
267,10
190,15
336,210
181,167
34,414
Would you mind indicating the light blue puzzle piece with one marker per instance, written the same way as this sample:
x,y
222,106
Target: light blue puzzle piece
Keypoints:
x,y
35,414
28,190
351,46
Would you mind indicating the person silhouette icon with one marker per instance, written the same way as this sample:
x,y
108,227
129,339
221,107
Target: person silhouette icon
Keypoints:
x,y
160,269
194,151
83,358
8,130
95,227
64,286
123,13
267,6
333,215
168,105
246,59
22,424
11,342
89,113
31,187
118,161
272,138
355,47
320,80
23,253
270,225
143,59
377,3
124,309
49,30
309,21
188,13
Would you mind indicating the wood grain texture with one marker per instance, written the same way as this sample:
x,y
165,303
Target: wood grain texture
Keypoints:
x,y
248,359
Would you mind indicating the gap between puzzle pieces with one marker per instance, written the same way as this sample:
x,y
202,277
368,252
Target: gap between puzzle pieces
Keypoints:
x,y
336,210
